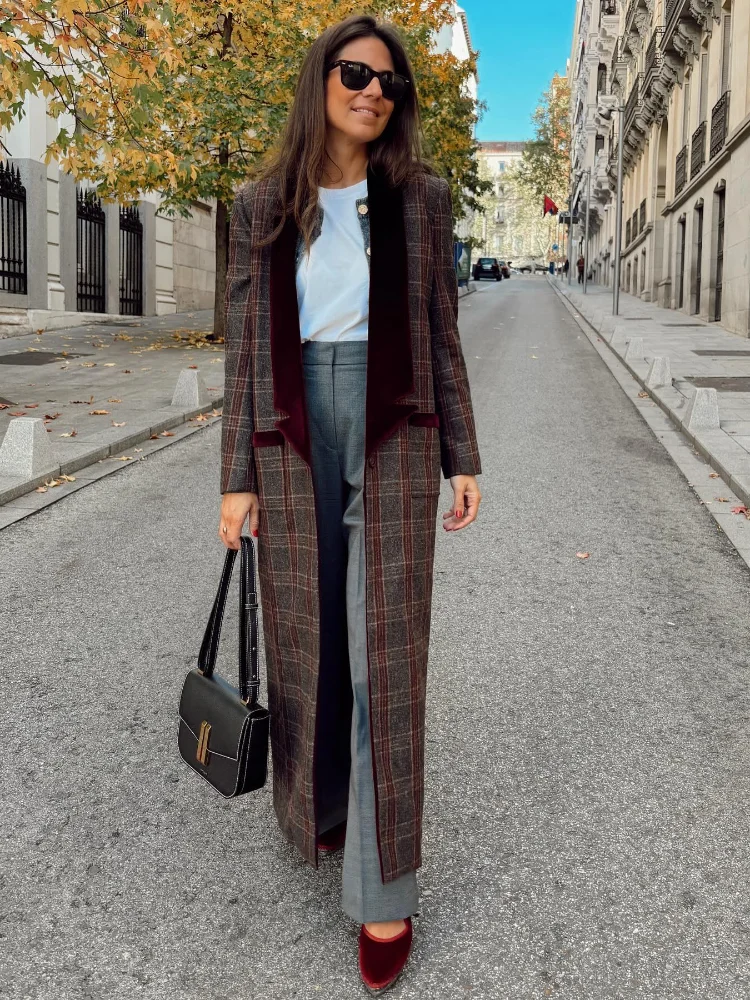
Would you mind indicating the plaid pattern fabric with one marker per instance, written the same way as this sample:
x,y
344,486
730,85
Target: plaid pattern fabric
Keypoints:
x,y
401,496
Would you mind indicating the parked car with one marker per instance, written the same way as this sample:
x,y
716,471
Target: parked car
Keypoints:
x,y
487,267
524,266
540,268
505,267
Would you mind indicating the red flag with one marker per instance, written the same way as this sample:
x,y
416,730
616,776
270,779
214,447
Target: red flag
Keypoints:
x,y
549,206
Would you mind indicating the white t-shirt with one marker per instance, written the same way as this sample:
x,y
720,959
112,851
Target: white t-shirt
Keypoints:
x,y
333,282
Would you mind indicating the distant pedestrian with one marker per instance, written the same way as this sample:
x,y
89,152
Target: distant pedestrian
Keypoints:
x,y
343,490
580,264
566,267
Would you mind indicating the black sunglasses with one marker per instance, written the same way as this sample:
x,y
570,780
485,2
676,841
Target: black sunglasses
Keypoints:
x,y
357,76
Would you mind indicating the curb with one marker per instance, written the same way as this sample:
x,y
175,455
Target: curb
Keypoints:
x,y
101,452
725,456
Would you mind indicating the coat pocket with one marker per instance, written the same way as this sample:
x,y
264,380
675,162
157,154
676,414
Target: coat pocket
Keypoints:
x,y
269,463
424,454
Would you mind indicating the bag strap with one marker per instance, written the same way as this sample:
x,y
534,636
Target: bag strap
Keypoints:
x,y
249,680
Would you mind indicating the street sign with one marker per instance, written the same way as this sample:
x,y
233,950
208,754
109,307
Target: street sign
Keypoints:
x,y
555,246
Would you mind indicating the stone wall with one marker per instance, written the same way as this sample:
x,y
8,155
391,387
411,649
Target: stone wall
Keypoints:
x,y
195,259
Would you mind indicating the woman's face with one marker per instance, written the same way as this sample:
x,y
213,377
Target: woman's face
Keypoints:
x,y
360,115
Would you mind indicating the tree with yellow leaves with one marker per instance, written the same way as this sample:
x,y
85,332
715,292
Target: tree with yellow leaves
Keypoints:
x,y
186,97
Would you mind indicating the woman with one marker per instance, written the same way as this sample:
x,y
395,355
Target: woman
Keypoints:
x,y
345,387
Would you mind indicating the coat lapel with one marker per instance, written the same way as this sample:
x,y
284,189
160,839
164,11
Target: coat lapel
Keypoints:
x,y
390,375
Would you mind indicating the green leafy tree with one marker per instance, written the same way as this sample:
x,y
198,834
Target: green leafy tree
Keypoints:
x,y
545,167
186,97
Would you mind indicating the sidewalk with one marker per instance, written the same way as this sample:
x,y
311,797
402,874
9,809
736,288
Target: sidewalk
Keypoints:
x,y
697,373
101,391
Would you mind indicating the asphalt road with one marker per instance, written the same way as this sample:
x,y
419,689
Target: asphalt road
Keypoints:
x,y
588,778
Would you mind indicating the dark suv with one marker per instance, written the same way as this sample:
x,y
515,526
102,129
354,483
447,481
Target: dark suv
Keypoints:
x,y
487,267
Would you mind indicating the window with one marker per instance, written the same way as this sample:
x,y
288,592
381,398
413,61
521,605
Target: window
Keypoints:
x,y
681,265
685,110
599,144
720,206
698,256
703,102
501,166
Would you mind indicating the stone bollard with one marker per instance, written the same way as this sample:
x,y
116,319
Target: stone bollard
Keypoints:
x,y
634,349
703,411
26,450
190,391
659,373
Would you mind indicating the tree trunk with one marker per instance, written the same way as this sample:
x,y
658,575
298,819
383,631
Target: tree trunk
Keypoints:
x,y
222,261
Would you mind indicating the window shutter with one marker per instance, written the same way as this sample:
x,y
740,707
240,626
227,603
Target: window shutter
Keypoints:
x,y
726,52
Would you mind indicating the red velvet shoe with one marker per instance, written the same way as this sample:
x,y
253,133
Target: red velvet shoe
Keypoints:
x,y
382,960
333,839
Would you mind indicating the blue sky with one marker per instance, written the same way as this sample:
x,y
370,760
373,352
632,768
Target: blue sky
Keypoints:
x,y
521,45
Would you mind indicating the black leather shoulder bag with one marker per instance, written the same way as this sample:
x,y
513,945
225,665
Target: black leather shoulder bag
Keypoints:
x,y
223,732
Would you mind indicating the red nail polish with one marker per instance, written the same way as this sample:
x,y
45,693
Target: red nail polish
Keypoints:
x,y
255,534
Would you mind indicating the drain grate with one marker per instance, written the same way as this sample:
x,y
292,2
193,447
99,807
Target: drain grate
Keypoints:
x,y
723,384
723,354
35,358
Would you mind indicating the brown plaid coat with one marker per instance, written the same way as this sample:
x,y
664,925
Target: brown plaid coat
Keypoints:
x,y
418,416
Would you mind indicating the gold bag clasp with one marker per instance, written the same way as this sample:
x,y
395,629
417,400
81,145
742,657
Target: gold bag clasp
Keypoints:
x,y
201,752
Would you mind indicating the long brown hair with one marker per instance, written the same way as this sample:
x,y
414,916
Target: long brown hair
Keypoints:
x,y
297,164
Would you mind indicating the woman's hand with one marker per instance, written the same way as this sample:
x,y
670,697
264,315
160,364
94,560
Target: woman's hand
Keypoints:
x,y
466,500
235,509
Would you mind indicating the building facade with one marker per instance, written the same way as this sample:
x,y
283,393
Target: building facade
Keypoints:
x,y
67,258
675,75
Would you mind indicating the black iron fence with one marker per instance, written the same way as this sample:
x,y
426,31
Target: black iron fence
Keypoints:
x,y
13,248
634,101
654,54
698,150
131,262
719,124
90,252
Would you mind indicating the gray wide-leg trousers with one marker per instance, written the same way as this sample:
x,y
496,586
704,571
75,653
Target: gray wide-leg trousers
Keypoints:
x,y
335,384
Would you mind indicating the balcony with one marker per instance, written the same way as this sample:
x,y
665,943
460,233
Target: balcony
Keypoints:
x,y
617,66
654,55
719,124
684,21
680,170
698,150
642,216
633,102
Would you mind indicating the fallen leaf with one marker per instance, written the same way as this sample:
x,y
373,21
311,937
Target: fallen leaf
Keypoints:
x,y
41,489
137,449
115,424
642,395
713,475
201,416
70,434
31,406
109,364
741,509
52,482
52,416
88,364
121,336
32,349
192,366
68,479
582,555
4,406
126,371
534,356
112,399
98,413
723,499
18,413
154,437
122,458
166,434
